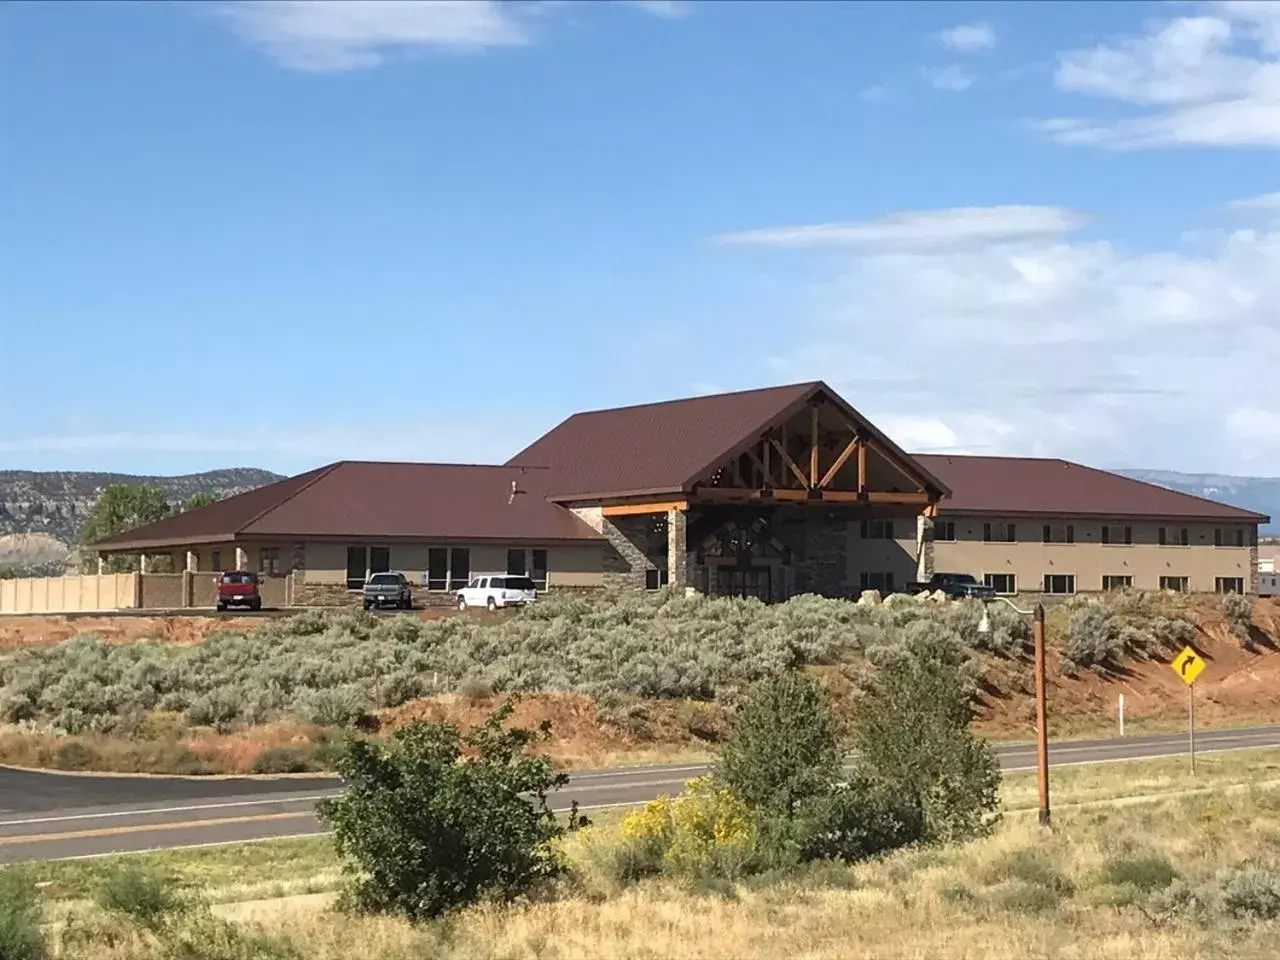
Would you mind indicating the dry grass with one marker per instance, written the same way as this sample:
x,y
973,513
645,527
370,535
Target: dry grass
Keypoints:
x,y
1022,893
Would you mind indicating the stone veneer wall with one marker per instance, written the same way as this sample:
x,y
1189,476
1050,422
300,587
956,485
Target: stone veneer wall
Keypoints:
x,y
628,551
924,546
1252,584
819,551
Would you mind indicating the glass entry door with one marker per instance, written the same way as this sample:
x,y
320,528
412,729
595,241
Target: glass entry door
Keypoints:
x,y
744,582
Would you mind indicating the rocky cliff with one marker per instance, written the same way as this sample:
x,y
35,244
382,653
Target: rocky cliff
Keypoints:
x,y
55,504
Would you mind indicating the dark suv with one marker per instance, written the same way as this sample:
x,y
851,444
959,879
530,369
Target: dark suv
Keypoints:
x,y
239,588
388,590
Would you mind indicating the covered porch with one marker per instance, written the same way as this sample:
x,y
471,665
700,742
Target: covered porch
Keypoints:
x,y
818,502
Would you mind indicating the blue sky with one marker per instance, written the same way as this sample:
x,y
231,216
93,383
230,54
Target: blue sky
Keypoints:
x,y
279,234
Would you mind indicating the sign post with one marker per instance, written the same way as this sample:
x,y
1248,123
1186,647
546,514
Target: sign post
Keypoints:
x,y
1188,665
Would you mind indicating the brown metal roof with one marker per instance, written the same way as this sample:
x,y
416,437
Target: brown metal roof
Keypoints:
x,y
658,448
1018,486
218,521
372,500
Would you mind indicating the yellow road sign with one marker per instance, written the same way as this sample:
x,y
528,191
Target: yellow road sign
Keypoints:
x,y
1188,665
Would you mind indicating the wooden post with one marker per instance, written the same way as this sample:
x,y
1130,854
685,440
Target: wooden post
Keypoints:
x,y
862,465
813,446
1042,724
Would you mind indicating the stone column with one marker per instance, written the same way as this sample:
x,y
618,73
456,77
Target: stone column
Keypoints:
x,y
1252,581
677,550
242,558
924,548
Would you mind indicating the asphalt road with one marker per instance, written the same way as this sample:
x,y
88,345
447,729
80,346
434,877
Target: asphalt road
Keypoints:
x,y
47,816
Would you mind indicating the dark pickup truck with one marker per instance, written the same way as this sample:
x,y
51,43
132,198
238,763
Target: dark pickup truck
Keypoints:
x,y
388,590
954,585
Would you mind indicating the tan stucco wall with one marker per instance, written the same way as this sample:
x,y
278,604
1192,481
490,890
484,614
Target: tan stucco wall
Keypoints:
x,y
569,565
73,594
1088,559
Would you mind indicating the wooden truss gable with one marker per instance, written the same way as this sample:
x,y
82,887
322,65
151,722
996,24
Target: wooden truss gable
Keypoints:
x,y
818,454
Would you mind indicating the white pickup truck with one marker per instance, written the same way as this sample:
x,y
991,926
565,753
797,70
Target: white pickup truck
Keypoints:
x,y
492,591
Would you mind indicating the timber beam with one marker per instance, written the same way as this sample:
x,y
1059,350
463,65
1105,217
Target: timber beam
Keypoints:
x,y
640,509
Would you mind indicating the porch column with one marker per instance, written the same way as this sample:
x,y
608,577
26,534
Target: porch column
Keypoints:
x,y
102,564
193,561
677,549
242,558
142,563
924,548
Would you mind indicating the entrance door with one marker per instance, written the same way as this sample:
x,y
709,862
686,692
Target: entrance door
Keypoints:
x,y
744,582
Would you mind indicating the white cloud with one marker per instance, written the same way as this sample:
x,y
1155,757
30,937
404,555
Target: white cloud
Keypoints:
x,y
448,442
1267,203
921,230
1212,79
1049,344
339,35
669,9
875,92
953,78
968,37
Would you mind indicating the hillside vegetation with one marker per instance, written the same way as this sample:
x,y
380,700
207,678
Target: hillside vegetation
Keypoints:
x,y
624,677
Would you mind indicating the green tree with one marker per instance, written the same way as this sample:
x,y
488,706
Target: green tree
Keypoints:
x,y
122,507
198,500
912,737
425,831
786,745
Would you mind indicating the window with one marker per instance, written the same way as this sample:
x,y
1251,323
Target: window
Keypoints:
x,y
1177,584
512,583
1128,536
986,533
1109,534
876,581
1217,536
357,567
877,529
539,568
1052,534
516,561
1240,537
215,560
437,568
1175,536
459,567
379,559
239,578
944,530
1005,583
1113,581
1253,536
383,579
1059,583
999,532
655,579
1229,584
269,560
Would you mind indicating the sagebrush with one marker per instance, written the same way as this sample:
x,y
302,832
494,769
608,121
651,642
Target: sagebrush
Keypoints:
x,y
331,668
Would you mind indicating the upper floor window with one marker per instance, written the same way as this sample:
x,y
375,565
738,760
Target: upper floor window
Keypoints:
x,y
1000,532
877,529
1174,536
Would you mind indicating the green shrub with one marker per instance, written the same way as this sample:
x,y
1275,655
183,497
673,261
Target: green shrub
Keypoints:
x,y
74,755
1093,639
785,748
1238,610
911,735
424,831
282,760
20,917
148,897
1145,873
1030,898
206,937
1251,891
1031,866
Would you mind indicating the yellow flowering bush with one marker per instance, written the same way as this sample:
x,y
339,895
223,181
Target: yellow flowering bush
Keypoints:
x,y
705,831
